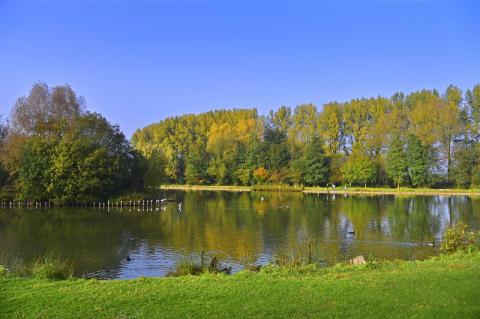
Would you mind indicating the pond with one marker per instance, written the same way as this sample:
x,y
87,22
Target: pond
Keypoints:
x,y
239,228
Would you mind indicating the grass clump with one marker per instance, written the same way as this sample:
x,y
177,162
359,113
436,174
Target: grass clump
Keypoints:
x,y
190,267
185,268
301,257
3,271
460,238
49,268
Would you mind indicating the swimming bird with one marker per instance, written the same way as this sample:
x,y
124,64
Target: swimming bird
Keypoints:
x,y
428,244
180,206
352,232
127,258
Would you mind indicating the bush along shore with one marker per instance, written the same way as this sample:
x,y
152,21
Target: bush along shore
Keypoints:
x,y
446,286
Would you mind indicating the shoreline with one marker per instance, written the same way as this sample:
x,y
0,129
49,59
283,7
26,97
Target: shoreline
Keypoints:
x,y
333,191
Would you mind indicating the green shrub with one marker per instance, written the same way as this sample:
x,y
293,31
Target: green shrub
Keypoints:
x,y
3,271
459,238
46,268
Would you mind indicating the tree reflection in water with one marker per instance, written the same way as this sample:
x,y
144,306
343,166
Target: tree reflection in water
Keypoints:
x,y
239,228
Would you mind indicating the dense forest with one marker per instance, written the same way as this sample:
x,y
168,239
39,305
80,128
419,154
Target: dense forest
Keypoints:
x,y
423,139
53,148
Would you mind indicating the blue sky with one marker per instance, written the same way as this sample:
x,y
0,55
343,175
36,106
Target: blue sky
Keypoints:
x,y
138,62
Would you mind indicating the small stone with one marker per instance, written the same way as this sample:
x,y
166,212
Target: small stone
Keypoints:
x,y
359,260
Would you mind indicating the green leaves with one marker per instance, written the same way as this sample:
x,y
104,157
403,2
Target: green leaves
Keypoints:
x,y
316,165
91,161
359,169
420,162
396,164
34,172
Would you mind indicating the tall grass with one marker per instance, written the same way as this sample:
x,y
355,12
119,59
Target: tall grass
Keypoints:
x,y
48,268
187,267
42,267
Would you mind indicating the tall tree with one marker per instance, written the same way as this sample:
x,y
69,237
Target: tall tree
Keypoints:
x,y
4,175
332,128
466,161
196,166
280,120
46,110
305,125
396,164
34,171
472,98
316,165
93,160
419,162
359,168
450,116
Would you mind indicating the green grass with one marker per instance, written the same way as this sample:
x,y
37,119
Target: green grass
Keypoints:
x,y
393,191
442,287
229,188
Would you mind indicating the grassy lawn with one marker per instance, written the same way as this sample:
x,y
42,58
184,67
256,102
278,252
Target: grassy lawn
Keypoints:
x,y
443,287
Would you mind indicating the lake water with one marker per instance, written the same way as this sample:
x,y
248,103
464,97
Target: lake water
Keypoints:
x,y
239,228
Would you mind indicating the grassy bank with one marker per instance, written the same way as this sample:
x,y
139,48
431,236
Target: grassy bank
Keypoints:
x,y
206,188
392,191
443,287
330,190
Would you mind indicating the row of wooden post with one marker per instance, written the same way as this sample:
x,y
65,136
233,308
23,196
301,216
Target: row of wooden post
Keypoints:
x,y
108,204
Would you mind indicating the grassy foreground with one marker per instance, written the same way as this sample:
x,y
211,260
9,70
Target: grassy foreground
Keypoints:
x,y
330,190
442,287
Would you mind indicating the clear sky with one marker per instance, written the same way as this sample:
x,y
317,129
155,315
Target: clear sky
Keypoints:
x,y
138,62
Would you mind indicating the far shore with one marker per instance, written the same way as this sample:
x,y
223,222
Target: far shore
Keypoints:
x,y
330,190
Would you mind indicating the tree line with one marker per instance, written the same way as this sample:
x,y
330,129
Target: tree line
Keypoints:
x,y
53,148
423,139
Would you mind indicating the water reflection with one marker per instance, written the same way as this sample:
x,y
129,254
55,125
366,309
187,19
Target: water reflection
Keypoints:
x,y
239,228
